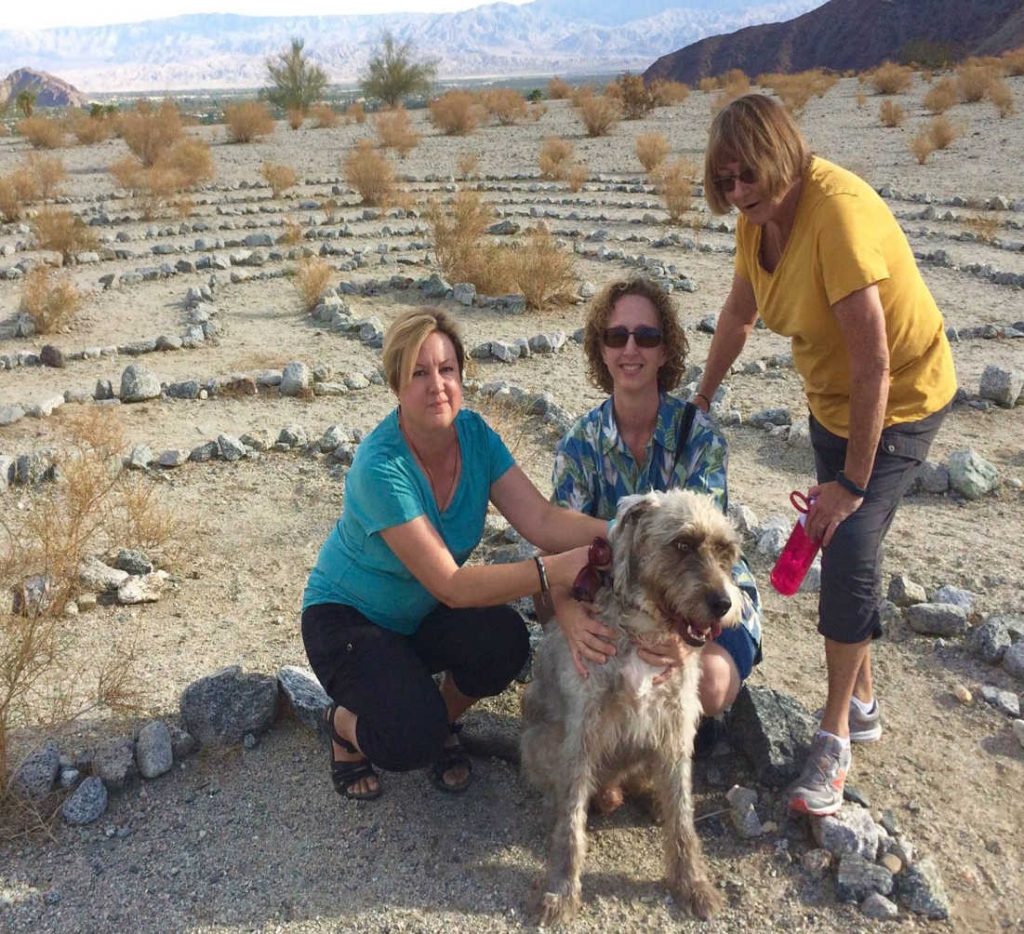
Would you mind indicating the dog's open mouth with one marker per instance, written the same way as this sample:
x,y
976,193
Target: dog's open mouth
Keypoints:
x,y
692,632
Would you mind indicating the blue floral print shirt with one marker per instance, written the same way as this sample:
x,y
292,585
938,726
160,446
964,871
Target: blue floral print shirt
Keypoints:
x,y
594,469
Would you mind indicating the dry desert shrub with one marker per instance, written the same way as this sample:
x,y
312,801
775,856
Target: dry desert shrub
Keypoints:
x,y
862,100
675,185
922,146
543,273
279,177
184,165
891,114
93,508
10,203
355,113
652,150
456,113
150,132
984,226
942,132
62,231
394,130
42,132
708,84
468,164
46,172
667,93
890,78
635,98
973,79
370,174
506,105
558,90
941,96
91,128
577,176
248,121
292,234
312,276
325,117
295,116
579,94
1013,62
599,114
458,230
1001,96
555,157
50,302
797,89
536,110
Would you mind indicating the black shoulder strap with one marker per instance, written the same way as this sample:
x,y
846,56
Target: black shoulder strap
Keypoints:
x,y
685,424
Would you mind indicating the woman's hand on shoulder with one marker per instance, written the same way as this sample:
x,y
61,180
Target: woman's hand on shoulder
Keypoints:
x,y
669,655
587,637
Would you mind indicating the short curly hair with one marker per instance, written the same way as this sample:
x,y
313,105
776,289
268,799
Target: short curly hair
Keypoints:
x,y
601,307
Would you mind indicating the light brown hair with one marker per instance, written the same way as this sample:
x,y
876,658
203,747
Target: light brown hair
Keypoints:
x,y
759,134
601,307
406,335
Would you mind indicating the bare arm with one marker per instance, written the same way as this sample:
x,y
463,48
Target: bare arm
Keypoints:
x,y
862,322
735,323
421,549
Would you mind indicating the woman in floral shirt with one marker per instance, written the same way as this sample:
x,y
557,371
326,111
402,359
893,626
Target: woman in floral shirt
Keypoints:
x,y
642,439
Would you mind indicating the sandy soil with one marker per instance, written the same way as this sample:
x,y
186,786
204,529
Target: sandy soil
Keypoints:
x,y
256,840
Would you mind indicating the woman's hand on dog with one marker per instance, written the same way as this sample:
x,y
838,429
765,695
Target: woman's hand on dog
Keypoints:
x,y
586,636
668,655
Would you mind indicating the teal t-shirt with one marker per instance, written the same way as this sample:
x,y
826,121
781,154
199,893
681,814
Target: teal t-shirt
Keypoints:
x,y
385,487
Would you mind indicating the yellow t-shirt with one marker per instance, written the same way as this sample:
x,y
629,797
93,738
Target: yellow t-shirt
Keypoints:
x,y
845,238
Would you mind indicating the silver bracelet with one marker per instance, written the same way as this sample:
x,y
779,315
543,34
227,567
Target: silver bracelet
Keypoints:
x,y
542,574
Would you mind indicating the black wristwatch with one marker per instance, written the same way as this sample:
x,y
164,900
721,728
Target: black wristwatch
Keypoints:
x,y
847,484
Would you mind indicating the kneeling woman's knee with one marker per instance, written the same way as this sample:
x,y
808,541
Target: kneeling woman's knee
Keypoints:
x,y
501,654
402,740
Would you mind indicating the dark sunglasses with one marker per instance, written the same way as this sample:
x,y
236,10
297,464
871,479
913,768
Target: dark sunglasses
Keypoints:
x,y
591,577
726,183
645,336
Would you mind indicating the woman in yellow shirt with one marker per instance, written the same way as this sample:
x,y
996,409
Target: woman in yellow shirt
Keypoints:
x,y
821,259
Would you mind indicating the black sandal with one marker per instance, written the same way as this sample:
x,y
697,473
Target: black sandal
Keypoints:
x,y
347,774
452,757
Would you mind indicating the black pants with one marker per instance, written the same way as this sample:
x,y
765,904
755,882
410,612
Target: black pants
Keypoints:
x,y
851,575
384,678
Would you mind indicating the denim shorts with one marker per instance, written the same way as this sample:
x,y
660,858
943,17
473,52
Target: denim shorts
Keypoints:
x,y
849,605
737,641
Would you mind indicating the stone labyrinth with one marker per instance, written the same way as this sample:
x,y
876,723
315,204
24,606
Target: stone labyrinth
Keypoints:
x,y
245,411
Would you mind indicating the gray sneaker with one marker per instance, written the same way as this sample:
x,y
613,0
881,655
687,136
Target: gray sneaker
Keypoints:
x,y
819,789
865,727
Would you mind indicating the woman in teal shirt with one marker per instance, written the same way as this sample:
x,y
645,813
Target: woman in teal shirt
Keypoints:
x,y
391,602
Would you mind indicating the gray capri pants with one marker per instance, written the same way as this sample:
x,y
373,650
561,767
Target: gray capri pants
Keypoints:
x,y
851,579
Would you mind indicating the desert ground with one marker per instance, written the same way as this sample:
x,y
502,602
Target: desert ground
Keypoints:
x,y
256,839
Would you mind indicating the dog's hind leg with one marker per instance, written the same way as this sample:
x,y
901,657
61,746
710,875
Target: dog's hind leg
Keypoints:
x,y
684,859
560,898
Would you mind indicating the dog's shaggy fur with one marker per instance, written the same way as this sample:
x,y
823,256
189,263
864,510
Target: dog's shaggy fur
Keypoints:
x,y
671,570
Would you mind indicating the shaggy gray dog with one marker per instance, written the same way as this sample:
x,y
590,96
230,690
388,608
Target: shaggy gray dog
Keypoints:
x,y
671,570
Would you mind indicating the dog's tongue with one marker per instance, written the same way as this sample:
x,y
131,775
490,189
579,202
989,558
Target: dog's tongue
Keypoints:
x,y
693,635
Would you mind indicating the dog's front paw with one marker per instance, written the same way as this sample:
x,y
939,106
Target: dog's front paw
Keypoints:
x,y
555,910
702,900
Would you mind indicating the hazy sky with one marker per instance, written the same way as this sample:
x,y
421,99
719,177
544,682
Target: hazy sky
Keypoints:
x,y
42,15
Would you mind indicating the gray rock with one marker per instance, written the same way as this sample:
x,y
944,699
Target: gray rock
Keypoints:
x,y
304,693
6,471
87,802
229,448
52,356
1003,387
258,440
933,477
768,417
971,475
96,576
32,468
293,436
221,708
772,536
69,777
937,619
505,352
905,592
743,518
464,293
1013,660
183,743
186,389
145,588
295,379
115,764
857,878
332,437
140,457
153,751
955,596
172,457
355,381
1005,702
35,776
138,384
435,287
990,640
851,832
9,414
206,451
773,730
133,561
879,908
921,890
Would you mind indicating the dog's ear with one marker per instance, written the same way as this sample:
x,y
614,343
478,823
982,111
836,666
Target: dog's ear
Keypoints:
x,y
630,522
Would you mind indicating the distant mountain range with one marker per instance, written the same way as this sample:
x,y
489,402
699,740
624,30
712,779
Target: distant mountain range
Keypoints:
x,y
852,34
544,37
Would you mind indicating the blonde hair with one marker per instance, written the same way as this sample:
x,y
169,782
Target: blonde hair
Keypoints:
x,y
405,337
759,134
674,340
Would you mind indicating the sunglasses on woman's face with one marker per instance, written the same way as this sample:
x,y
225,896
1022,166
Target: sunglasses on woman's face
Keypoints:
x,y
645,336
726,183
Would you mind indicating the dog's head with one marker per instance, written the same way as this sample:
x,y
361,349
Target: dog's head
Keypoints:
x,y
673,555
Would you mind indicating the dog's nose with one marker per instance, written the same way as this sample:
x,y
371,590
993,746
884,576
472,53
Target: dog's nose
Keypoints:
x,y
719,603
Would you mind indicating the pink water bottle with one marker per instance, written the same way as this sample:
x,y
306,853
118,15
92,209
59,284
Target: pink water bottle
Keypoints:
x,y
798,555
